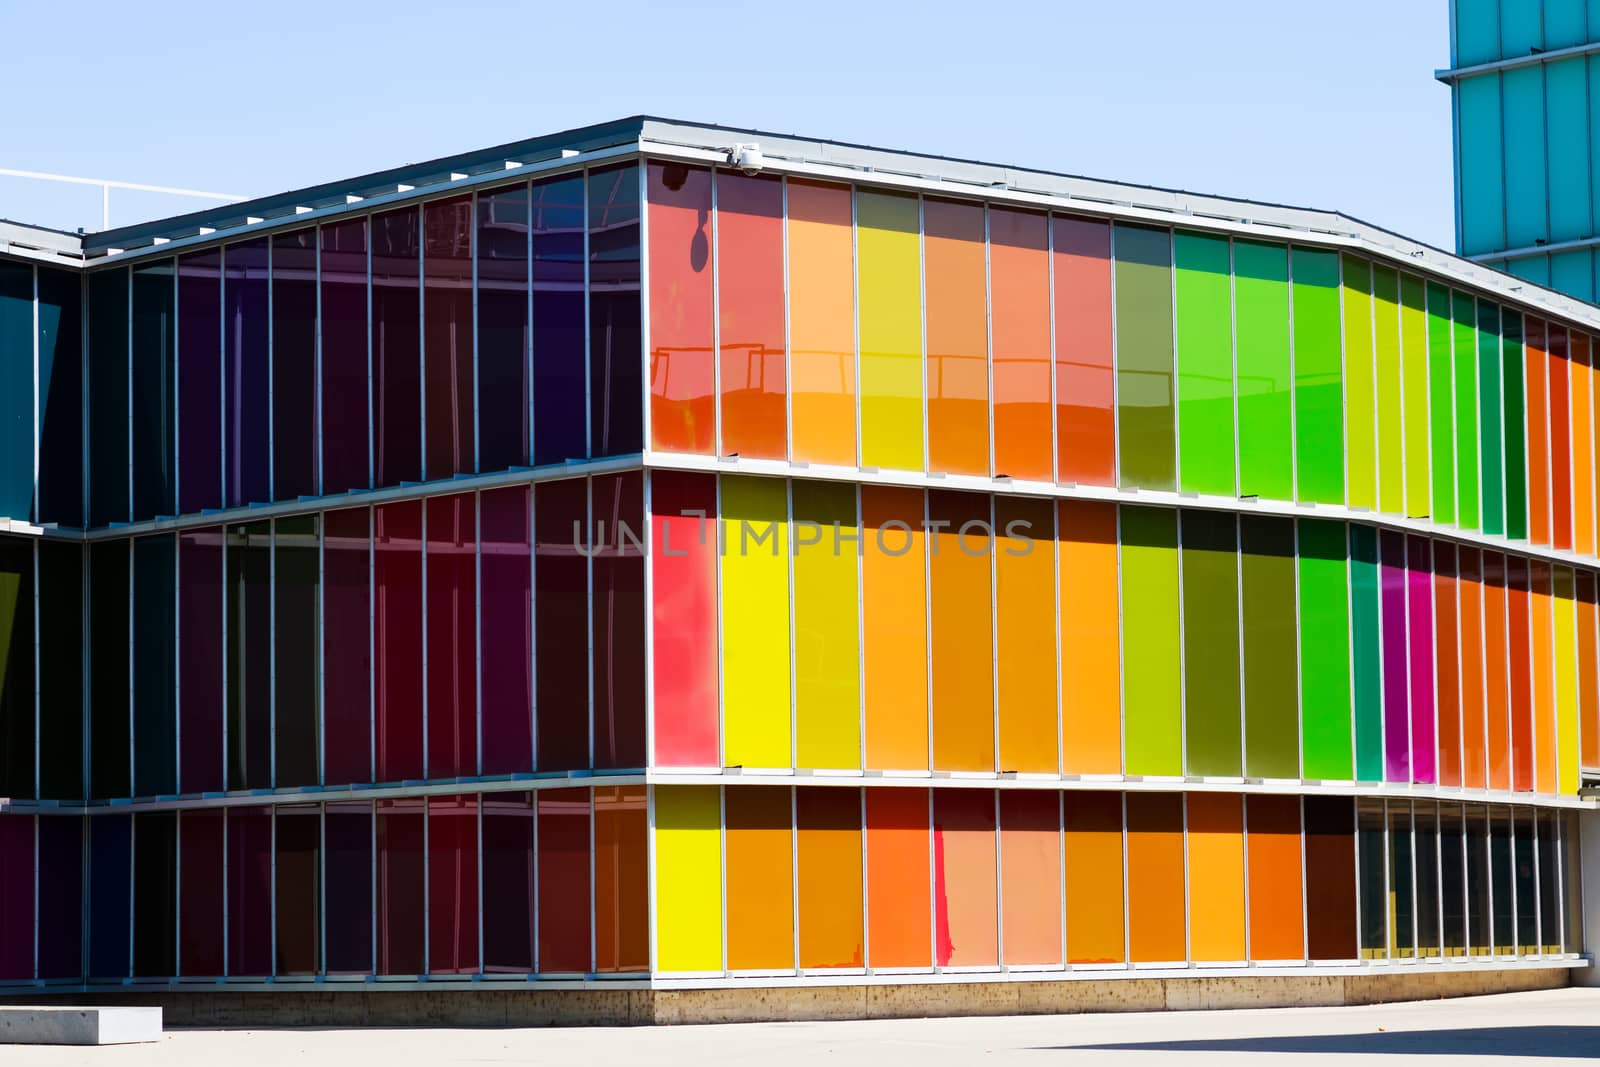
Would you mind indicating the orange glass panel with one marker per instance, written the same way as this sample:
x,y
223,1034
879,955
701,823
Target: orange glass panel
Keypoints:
x,y
1496,670
966,916
1086,445
1541,620
760,879
828,847
895,628
621,879
1519,634
682,363
822,323
1155,878
1276,908
1588,689
1019,281
899,920
1560,441
1447,667
1474,731
1538,377
1030,876
958,343
1582,445
1091,693
960,554
1092,851
750,315
1025,577
1216,876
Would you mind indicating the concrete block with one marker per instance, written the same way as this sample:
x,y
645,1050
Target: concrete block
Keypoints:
x,y
32,1025
1212,994
1061,997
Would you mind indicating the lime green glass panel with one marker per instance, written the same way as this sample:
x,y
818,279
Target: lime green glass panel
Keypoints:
x,y
1386,349
1271,689
1205,363
1318,378
1151,688
1414,346
1261,309
1211,643
1146,444
1361,399
1324,651
1441,405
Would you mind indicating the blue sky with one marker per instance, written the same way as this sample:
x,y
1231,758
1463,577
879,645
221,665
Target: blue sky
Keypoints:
x,y
1307,104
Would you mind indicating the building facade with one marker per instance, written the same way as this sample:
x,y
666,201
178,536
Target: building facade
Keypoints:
x,y
1524,78
588,565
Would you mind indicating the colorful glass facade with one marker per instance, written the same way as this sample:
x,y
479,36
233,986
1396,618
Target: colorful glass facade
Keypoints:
x,y
638,570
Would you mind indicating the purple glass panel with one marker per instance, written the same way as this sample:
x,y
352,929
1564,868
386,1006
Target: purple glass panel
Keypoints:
x,y
396,348
1396,728
250,891
619,620
16,896
559,431
347,825
1419,582
507,628
508,882
346,646
294,364
615,338
397,612
452,621
201,886
61,896
344,356
249,655
199,381
560,601
453,885
246,443
401,887
447,335
503,328
200,662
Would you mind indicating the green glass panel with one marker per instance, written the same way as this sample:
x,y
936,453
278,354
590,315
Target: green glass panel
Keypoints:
x,y
1494,503
1414,344
60,670
1205,363
155,618
1387,384
1366,672
1324,651
1441,404
1360,390
1513,386
1318,378
1271,688
1464,340
1261,309
108,670
1151,688
1211,643
1146,449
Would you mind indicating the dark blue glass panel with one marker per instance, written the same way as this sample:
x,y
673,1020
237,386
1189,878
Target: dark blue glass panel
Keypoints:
x,y
155,671
344,357
247,446
559,409
200,380
200,659
108,669
154,392
16,390
61,651
155,894
110,890
60,398
396,348
616,387
503,328
61,896
108,397
294,364
348,826
447,332
508,882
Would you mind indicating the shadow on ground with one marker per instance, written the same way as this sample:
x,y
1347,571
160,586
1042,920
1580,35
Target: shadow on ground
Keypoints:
x,y
1553,1042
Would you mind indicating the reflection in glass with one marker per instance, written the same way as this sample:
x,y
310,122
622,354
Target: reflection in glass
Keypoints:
x,y
447,336
503,342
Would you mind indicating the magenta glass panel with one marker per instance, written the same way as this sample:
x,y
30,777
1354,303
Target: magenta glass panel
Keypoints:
x,y
200,672
502,251
250,892
452,885
1419,582
563,870
344,356
245,363
619,620
508,882
16,897
294,364
61,896
560,601
447,335
401,891
201,886
347,892
346,646
396,348
507,630
1396,728
199,381
452,621
559,410
397,617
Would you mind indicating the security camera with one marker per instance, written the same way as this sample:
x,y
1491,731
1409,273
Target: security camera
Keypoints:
x,y
746,157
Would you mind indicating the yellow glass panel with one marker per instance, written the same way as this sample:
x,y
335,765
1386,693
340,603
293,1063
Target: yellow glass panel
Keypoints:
x,y
688,878
889,284
755,622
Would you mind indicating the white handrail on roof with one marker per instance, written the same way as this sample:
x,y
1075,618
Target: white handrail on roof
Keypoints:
x,y
108,184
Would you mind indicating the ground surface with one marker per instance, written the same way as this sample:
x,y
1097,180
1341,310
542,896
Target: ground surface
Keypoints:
x,y
1552,1028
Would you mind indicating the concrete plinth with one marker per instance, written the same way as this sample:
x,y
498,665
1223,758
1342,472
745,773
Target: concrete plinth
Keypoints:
x,y
62,1025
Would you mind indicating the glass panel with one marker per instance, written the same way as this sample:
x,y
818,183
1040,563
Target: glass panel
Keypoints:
x,y
503,340
448,367
1503,899
297,900
899,911
296,618
1539,400
1330,878
828,857
559,431
1518,627
1566,675
1388,385
1214,828
60,893
249,836
954,261
17,894
1572,869
109,743
1151,687
683,559
1447,650
16,395
346,449
755,631
1318,377
751,315
1402,871
1494,488
1414,345
452,884
506,626
62,647
294,364
1441,414
396,348
1203,292
1025,641
822,324
964,868
563,871
1211,645
619,620
1544,712
154,396
1419,598
155,587
827,660
108,397
1019,272
200,660
1496,670
688,878
1583,447
246,360
1480,931
1396,726
1324,651
1549,940
622,880
682,360
1271,687
348,881
894,628
1428,902
1086,447
202,887
402,888
1360,385
347,682
1261,312
1276,896
61,466
890,329
1091,668
759,878
1513,389
1144,357
110,895
1155,877
1465,350
961,630
397,643
508,886
1525,861
16,668
248,626
1474,700
452,636
560,601
1092,850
